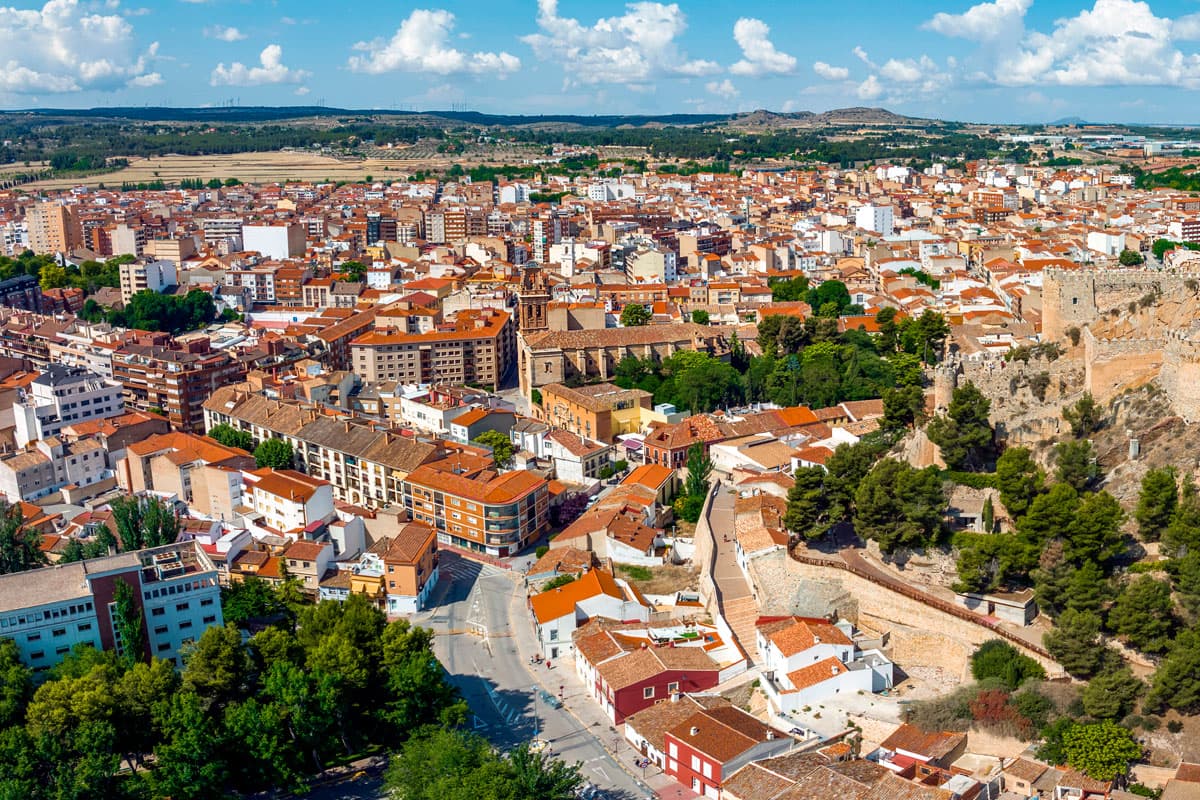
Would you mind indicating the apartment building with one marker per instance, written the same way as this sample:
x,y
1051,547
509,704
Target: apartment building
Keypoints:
x,y
275,240
52,464
175,379
146,276
198,470
53,228
410,563
478,509
288,501
365,464
476,348
63,396
22,292
223,233
48,611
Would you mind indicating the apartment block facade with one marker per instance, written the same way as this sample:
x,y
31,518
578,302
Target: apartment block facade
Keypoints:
x,y
476,349
50,610
175,380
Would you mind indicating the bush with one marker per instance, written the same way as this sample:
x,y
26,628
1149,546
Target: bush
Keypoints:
x,y
999,659
554,583
974,480
541,551
1175,726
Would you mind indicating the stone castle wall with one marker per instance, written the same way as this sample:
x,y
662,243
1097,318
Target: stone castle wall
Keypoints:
x,y
1180,377
1081,297
1112,366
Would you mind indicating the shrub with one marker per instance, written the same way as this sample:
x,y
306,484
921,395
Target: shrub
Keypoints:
x,y
999,659
541,551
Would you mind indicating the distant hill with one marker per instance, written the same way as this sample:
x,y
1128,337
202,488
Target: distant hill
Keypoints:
x,y
1070,121
856,116
755,120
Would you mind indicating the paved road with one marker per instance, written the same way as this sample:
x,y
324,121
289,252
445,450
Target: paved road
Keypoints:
x,y
474,599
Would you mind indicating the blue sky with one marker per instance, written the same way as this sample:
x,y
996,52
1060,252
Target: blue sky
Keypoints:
x,y
998,61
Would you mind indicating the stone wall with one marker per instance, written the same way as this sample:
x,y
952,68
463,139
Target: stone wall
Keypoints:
x,y
941,632
1080,297
1111,366
1180,377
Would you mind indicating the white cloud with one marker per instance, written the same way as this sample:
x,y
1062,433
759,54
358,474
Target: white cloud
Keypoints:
x,y
830,72
632,49
759,56
147,80
1113,43
42,50
870,89
723,89
301,91
421,44
224,33
982,22
270,70
863,56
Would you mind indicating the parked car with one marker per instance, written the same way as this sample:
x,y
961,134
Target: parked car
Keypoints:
x,y
549,699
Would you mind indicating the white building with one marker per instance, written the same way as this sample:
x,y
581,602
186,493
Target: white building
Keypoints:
x,y
805,661
874,218
50,465
63,396
146,276
558,612
275,241
288,501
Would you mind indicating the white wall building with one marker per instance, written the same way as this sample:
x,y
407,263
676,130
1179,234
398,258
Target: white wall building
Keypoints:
x,y
146,276
63,396
278,241
874,218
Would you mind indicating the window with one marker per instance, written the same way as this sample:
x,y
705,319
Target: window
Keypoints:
x,y
60,631
160,630
37,655
695,763
648,692
85,626
707,770
673,687
34,637
673,750
210,620
157,612
164,646
181,606
187,623
208,601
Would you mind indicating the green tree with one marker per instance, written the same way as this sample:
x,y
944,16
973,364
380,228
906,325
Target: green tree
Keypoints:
x,y
1176,683
501,447
1130,258
699,471
988,515
1018,479
143,522
634,315
353,270
808,504
834,292
700,316
448,765
217,668
1084,416
536,776
889,331
232,437
924,336
16,684
999,659
847,467
789,290
1074,643
184,768
1183,533
1095,533
19,549
1157,502
274,453
899,506
1112,694
1075,464
258,751
903,408
1049,516
53,276
128,617
1101,750
418,692
249,598
141,690
964,434
1142,613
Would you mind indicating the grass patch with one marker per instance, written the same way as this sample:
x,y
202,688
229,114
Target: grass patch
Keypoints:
x,y
636,573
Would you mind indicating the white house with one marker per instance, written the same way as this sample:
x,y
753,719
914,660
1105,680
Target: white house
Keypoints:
x,y
805,661
62,396
596,593
288,501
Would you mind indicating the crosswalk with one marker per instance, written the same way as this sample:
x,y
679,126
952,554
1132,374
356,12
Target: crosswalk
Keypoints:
x,y
460,569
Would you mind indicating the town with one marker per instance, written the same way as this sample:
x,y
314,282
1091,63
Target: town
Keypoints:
x,y
868,479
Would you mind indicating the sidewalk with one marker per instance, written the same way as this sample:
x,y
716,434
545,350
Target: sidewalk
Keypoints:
x,y
586,711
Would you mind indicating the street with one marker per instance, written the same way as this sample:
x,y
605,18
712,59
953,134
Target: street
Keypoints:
x,y
476,608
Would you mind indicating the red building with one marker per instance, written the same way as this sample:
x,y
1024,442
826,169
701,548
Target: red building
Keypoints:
x,y
712,744
624,682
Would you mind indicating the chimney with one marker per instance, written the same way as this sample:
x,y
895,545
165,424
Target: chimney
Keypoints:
x,y
770,735
695,730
